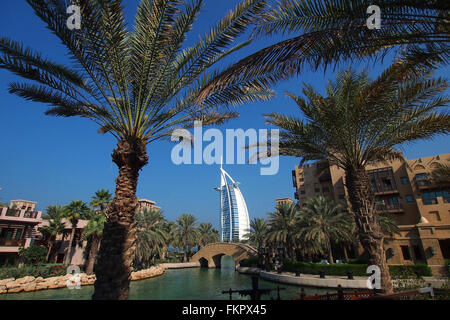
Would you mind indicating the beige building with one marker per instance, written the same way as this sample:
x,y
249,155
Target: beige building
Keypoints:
x,y
18,226
284,200
403,188
147,204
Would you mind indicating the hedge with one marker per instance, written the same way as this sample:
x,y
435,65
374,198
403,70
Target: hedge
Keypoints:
x,y
413,271
250,262
44,271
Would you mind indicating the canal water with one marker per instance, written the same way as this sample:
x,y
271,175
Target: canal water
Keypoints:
x,y
181,284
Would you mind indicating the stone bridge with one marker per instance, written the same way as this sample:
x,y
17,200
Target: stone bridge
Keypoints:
x,y
210,255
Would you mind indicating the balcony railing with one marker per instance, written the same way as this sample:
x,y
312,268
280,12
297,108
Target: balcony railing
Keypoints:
x,y
428,201
389,207
30,214
13,212
12,242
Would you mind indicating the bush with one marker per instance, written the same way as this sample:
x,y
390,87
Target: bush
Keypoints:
x,y
397,272
250,262
45,271
33,254
412,271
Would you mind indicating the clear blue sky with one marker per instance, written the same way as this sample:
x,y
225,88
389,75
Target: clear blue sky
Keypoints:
x,y
55,160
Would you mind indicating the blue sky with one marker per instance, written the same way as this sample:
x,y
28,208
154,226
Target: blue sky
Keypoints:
x,y
55,160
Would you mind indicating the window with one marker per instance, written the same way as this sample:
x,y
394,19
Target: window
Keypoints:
x,y
431,197
387,183
404,180
405,252
421,176
18,234
392,201
409,198
325,189
417,253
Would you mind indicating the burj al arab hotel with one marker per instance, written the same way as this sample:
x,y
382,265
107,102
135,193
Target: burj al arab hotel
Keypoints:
x,y
234,218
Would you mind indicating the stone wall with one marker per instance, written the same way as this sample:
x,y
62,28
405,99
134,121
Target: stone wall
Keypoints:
x,y
30,283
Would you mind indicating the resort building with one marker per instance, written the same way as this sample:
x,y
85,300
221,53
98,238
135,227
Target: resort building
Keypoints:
x,y
18,227
234,218
421,207
284,200
145,204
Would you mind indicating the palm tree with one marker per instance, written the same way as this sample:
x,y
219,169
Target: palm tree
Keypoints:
x,y
93,232
55,226
139,86
186,235
361,121
101,199
335,31
151,236
170,228
73,212
257,234
441,174
206,234
282,227
324,222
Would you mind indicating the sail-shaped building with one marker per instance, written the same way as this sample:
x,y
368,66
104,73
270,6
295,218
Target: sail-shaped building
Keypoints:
x,y
234,217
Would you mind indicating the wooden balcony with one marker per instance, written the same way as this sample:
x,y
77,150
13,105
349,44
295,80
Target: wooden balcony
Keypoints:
x,y
12,242
393,208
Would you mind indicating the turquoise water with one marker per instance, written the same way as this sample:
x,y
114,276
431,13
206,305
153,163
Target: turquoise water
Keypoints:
x,y
181,284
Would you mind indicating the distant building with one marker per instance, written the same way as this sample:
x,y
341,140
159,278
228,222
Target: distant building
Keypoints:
x,y
284,200
147,204
18,227
421,207
234,217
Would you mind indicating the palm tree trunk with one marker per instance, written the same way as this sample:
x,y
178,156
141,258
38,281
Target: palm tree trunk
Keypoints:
x,y
49,250
93,254
69,249
115,257
184,257
345,253
330,251
362,201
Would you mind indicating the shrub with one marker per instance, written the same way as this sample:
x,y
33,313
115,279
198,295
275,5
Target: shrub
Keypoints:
x,y
33,254
410,272
250,262
39,270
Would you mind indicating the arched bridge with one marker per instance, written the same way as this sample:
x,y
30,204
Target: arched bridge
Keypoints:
x,y
210,255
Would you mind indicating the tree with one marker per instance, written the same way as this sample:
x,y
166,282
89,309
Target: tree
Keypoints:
x,y
101,199
170,228
441,174
282,224
257,234
32,254
73,212
335,31
151,235
207,234
186,234
55,226
93,233
324,222
361,121
139,86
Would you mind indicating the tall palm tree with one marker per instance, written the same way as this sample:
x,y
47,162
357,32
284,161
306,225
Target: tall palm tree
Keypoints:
x,y
206,234
257,234
151,236
101,199
282,225
324,222
360,121
93,232
55,226
323,33
137,85
73,212
170,227
187,234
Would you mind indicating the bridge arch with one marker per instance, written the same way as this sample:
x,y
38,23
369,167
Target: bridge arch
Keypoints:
x,y
211,254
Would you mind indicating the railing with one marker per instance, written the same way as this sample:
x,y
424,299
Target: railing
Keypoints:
x,y
12,242
381,188
13,212
387,207
30,214
428,201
